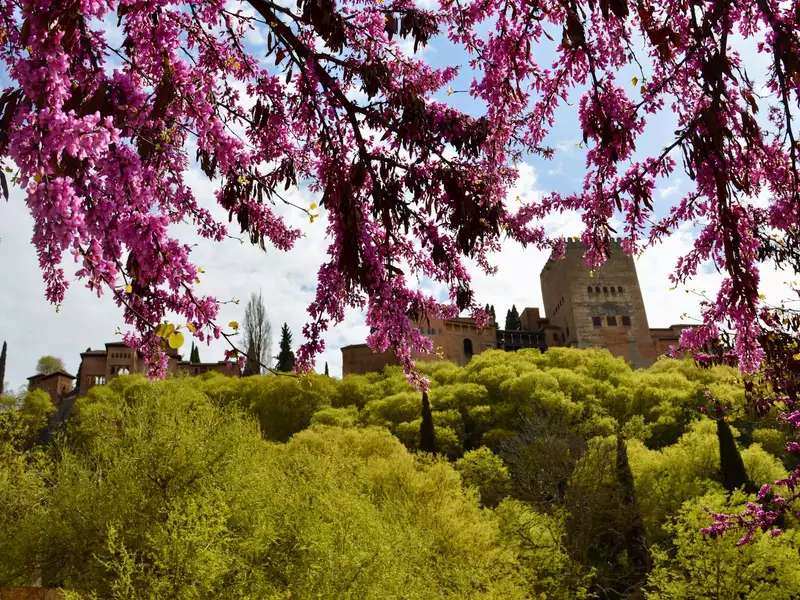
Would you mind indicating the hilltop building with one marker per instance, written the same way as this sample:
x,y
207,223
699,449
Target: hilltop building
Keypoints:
x,y
583,309
100,366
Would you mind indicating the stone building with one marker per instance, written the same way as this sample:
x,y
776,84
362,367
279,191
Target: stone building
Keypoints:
x,y
99,366
583,309
58,385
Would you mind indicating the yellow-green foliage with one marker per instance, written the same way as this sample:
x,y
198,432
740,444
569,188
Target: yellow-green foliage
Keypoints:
x,y
485,471
702,567
308,487
159,492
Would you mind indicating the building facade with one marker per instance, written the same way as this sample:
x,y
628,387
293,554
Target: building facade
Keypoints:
x,y
583,309
58,385
99,366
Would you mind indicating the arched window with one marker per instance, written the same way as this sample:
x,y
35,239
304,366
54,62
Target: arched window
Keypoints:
x,y
468,352
619,289
597,289
605,290
589,289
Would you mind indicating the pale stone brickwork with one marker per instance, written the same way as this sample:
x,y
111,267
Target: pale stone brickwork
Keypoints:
x,y
583,309
603,308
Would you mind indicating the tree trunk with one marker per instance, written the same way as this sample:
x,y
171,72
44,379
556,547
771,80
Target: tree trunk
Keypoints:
x,y
427,436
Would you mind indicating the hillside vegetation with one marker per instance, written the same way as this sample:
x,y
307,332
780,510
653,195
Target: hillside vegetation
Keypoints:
x,y
562,474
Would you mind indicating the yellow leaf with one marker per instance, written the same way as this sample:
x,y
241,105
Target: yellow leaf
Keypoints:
x,y
450,90
634,80
234,325
129,289
797,357
191,327
176,340
313,206
311,218
762,297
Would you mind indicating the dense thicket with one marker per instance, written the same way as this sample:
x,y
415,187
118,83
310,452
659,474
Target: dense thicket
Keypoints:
x,y
559,475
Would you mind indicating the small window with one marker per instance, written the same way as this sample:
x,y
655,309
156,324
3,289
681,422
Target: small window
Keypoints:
x,y
597,289
597,321
468,352
613,291
612,321
589,289
605,290
626,320
619,289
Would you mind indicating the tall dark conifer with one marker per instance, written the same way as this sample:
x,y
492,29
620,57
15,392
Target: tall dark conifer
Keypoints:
x,y
427,435
194,355
635,538
3,366
327,374
285,356
734,475
513,322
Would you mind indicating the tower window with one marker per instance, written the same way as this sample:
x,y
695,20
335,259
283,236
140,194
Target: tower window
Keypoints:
x,y
619,289
589,289
613,291
605,290
597,321
597,289
626,320
612,321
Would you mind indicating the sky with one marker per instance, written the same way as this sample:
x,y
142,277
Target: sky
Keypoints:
x,y
33,327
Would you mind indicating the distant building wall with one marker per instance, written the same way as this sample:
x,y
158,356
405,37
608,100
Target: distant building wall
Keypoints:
x,y
100,366
665,338
359,358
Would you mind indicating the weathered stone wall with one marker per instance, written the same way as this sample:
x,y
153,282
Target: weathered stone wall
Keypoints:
x,y
56,385
601,309
93,365
359,358
456,340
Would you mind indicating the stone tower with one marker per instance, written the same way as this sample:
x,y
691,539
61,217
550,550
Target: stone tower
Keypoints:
x,y
601,309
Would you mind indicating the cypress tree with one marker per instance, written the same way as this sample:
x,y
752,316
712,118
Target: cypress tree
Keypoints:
x,y
635,538
326,369
194,355
285,356
734,475
513,322
427,435
3,366
491,310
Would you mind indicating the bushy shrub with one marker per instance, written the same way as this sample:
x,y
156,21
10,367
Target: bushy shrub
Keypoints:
x,y
186,500
704,567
